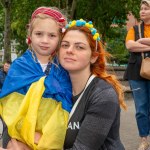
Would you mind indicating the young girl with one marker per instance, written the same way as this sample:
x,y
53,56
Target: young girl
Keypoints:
x,y
95,117
36,96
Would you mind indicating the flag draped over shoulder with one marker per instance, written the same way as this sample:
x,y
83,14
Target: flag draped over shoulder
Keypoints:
x,y
32,102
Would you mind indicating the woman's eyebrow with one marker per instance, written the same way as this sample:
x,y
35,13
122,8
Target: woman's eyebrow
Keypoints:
x,y
80,43
74,43
64,41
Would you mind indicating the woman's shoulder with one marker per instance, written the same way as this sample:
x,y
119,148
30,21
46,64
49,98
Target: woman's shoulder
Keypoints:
x,y
101,84
103,91
100,97
130,35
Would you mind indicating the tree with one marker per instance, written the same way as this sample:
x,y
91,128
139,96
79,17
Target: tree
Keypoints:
x,y
102,13
1,26
6,4
73,9
134,7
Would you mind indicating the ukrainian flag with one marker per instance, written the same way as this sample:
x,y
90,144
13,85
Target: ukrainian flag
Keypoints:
x,y
32,102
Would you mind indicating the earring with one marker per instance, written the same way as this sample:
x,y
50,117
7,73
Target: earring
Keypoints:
x,y
28,40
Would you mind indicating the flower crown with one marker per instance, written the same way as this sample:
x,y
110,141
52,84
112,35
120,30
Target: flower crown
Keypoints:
x,y
89,25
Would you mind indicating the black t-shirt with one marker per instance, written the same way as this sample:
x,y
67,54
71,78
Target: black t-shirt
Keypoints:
x,y
96,120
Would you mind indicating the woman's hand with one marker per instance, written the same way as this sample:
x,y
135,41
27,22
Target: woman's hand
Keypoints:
x,y
37,137
16,145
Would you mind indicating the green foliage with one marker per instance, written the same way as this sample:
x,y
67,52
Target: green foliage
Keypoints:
x,y
102,12
116,45
134,7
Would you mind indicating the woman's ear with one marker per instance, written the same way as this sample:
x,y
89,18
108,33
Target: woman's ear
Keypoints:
x,y
94,57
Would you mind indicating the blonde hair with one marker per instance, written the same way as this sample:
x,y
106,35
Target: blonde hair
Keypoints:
x,y
146,2
47,12
33,22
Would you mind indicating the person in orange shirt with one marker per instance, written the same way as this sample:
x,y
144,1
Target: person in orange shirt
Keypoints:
x,y
140,86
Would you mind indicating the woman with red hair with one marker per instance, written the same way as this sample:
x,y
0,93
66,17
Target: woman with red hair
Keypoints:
x,y
97,96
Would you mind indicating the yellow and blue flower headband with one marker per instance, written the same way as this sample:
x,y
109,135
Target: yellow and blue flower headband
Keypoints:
x,y
89,25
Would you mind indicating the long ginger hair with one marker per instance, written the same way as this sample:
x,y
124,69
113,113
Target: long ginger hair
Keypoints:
x,y
99,67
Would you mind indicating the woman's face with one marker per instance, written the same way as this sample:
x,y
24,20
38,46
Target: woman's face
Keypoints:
x,y
75,52
145,12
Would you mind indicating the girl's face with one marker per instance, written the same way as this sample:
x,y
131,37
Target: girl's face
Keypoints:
x,y
145,12
75,52
44,37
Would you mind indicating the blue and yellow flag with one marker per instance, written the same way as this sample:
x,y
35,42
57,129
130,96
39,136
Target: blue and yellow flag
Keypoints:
x,y
32,102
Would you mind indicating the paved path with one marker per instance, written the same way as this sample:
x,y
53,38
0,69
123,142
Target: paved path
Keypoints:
x,y
128,129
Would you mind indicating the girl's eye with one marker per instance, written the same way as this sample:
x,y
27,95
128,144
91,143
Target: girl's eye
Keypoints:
x,y
38,33
52,35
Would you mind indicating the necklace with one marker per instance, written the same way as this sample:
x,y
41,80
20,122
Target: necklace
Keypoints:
x,y
78,100
76,96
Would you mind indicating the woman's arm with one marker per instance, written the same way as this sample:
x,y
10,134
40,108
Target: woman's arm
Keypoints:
x,y
145,41
13,144
136,46
16,145
142,44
